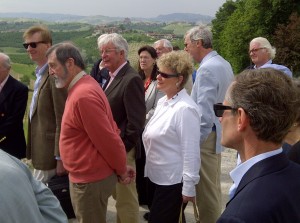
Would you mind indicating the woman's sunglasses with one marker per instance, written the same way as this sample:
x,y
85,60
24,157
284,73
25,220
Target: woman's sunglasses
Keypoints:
x,y
164,75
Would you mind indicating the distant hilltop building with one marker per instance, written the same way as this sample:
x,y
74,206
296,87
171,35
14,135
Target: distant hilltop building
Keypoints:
x,y
100,29
127,21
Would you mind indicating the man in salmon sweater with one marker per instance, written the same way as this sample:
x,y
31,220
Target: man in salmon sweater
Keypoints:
x,y
90,146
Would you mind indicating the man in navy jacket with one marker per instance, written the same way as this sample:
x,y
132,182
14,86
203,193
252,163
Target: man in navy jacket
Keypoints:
x,y
257,113
13,101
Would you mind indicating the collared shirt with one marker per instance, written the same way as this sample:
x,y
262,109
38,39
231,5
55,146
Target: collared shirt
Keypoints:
x,y
282,68
239,171
114,74
39,75
75,79
3,83
213,77
171,140
269,62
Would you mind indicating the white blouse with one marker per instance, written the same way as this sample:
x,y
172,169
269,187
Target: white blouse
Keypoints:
x,y
171,139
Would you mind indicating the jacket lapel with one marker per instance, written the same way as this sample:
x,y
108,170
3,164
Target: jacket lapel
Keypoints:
x,y
262,168
118,78
150,89
8,87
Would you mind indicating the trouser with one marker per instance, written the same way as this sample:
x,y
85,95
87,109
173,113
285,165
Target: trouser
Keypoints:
x,y
166,204
208,190
90,200
126,197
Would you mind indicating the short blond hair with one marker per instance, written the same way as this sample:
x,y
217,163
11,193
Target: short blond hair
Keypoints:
x,y
180,62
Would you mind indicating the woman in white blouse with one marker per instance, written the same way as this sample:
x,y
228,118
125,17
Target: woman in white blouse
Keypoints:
x,y
171,139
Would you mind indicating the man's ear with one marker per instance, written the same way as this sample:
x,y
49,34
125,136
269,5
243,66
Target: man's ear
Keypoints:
x,y
69,62
199,43
243,119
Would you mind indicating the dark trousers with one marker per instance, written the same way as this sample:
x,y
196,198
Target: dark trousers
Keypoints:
x,y
145,189
166,204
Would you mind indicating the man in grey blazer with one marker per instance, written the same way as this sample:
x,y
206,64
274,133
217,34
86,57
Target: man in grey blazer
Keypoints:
x,y
23,198
212,80
46,109
125,92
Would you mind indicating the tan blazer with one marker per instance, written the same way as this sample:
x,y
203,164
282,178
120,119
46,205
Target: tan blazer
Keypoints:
x,y
44,127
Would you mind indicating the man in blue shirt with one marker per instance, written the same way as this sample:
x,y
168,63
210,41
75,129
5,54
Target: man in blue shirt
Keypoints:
x,y
257,113
213,77
262,53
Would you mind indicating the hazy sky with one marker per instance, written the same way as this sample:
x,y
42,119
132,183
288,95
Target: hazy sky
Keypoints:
x,y
122,8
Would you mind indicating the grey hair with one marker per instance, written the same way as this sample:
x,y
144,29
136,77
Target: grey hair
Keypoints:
x,y
6,60
116,39
264,43
66,50
201,32
166,43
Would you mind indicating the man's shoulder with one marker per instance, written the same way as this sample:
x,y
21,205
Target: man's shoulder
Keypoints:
x,y
130,72
16,82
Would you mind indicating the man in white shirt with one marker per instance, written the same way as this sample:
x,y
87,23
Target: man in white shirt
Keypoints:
x,y
262,53
257,113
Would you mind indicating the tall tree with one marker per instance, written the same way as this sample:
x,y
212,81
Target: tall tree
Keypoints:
x,y
287,42
221,19
250,19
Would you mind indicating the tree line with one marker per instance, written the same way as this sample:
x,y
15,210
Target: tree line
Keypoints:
x,y
238,22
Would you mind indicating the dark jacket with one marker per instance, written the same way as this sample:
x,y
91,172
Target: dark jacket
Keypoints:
x,y
269,192
126,97
13,102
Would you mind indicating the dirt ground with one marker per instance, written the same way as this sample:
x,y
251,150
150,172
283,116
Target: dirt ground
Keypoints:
x,y
228,163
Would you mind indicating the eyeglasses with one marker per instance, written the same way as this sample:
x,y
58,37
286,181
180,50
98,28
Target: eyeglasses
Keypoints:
x,y
164,75
107,51
32,44
255,50
219,109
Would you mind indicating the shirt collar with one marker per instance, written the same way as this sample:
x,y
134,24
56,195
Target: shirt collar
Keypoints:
x,y
39,72
238,172
75,79
269,62
175,98
114,74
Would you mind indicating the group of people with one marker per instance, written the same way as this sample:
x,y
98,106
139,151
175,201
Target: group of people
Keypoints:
x,y
154,125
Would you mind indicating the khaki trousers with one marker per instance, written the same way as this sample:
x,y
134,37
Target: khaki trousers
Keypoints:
x,y
126,197
89,200
208,190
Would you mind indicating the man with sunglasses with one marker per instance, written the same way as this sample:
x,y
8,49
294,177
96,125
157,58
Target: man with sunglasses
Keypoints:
x,y
212,80
46,109
257,113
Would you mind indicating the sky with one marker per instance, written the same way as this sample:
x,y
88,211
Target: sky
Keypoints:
x,y
113,8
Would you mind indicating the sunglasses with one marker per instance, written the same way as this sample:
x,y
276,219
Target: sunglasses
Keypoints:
x,y
32,44
164,75
219,109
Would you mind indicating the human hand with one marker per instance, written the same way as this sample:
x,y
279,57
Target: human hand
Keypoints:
x,y
60,170
186,199
127,177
